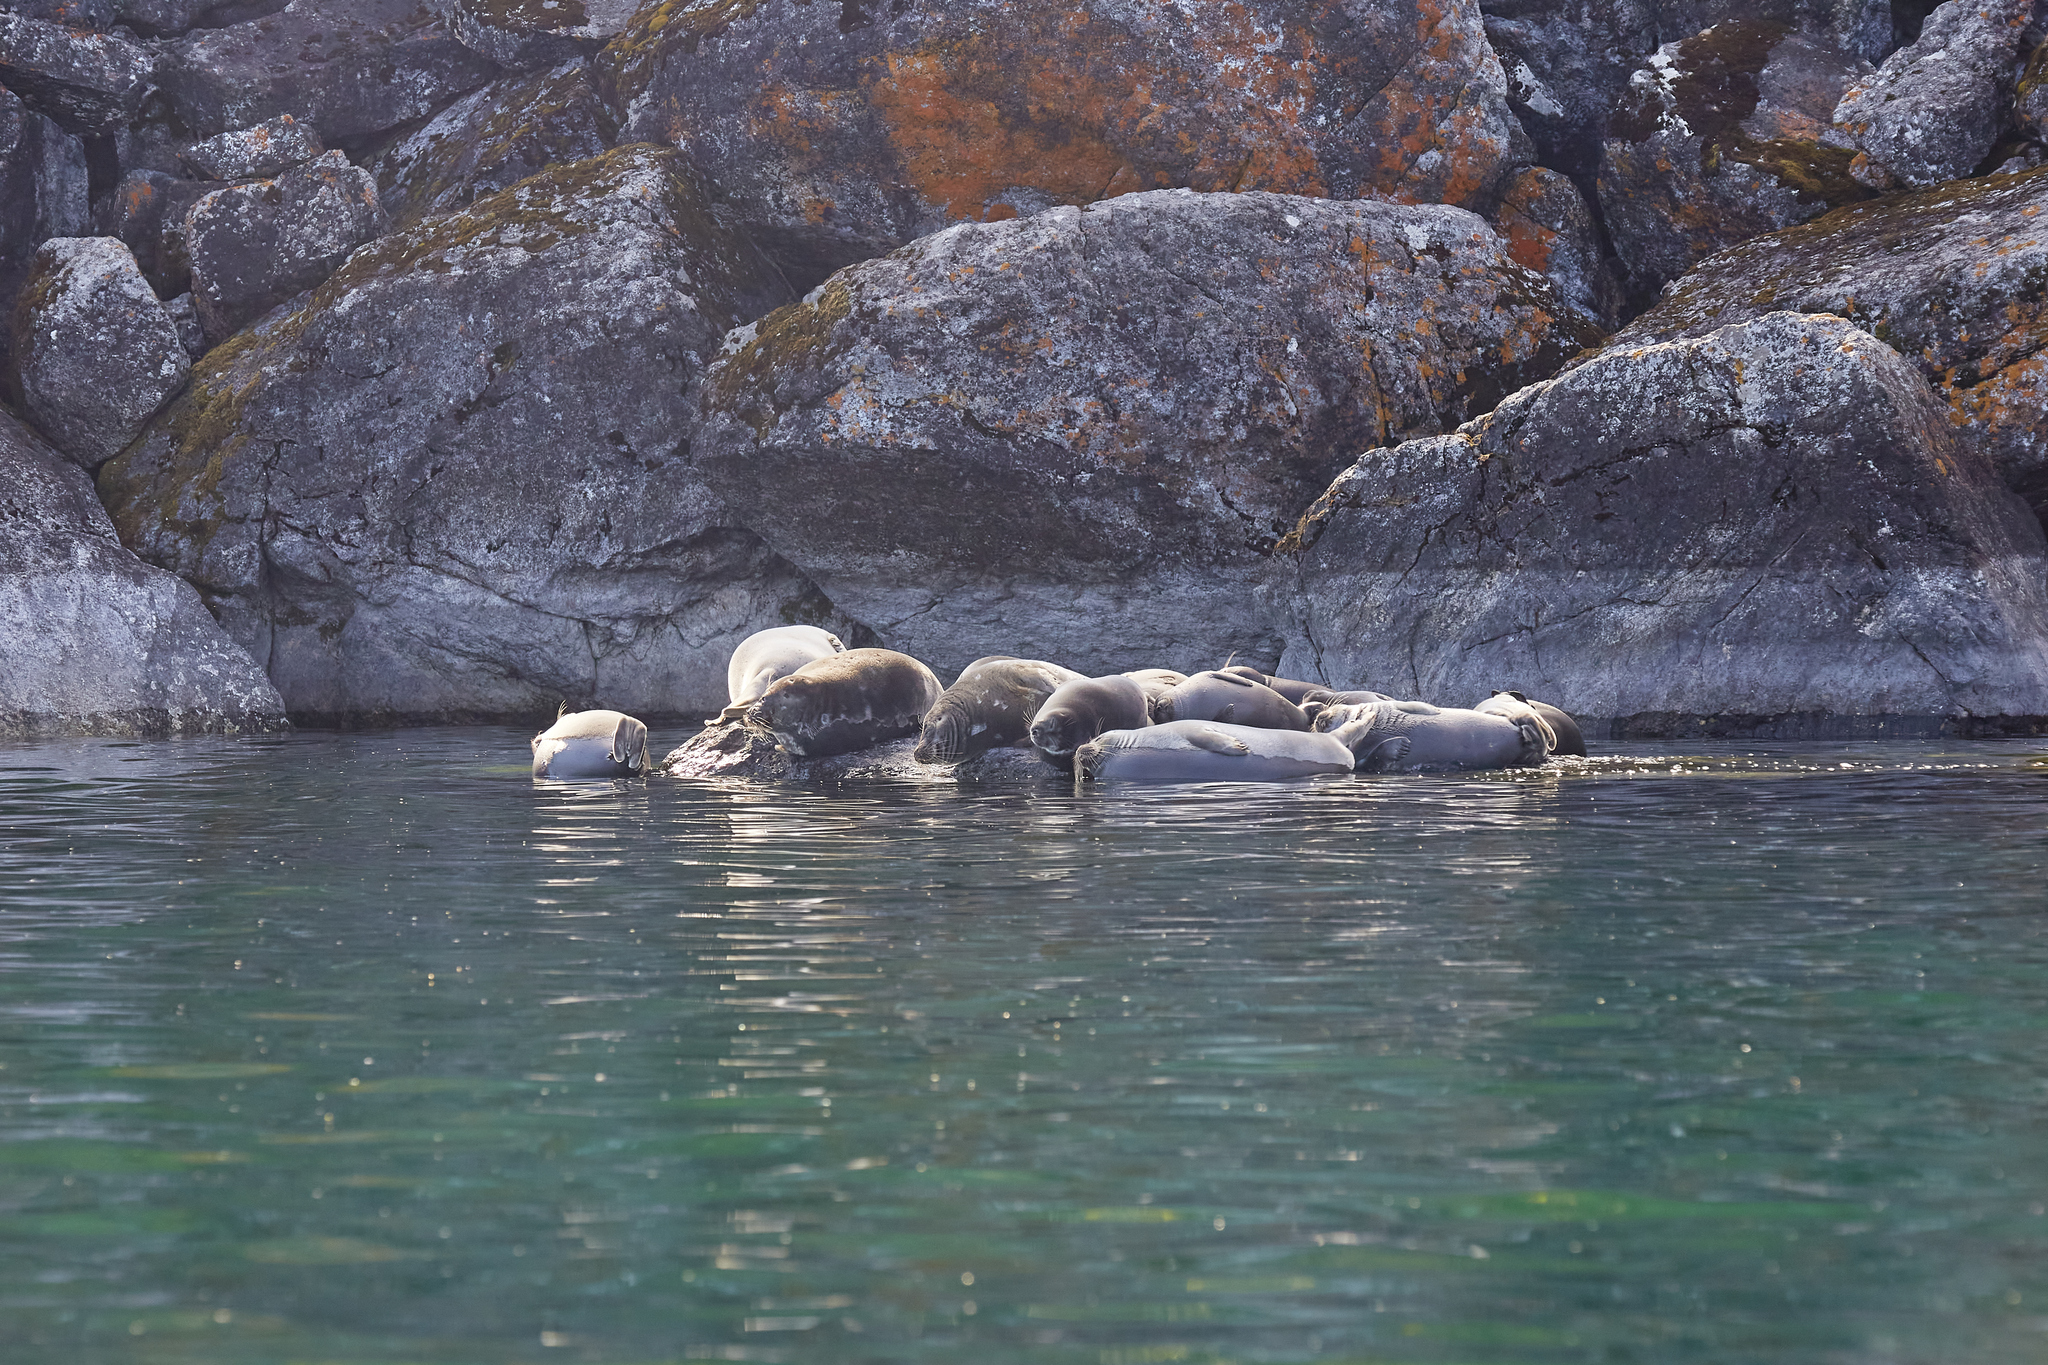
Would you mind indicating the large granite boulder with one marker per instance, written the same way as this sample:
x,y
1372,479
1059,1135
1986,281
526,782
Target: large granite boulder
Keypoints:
x,y
269,147
253,246
92,640
1769,529
838,132
454,484
1719,139
1937,106
349,68
491,139
95,352
87,81
1952,277
1073,436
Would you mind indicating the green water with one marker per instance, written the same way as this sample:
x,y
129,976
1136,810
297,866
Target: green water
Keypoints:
x,y
364,1048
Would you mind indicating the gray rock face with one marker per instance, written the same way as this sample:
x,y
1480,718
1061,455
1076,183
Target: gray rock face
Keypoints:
x,y
1073,436
1768,529
2030,97
253,153
147,210
42,195
95,352
1951,277
453,485
492,139
254,246
346,67
1549,227
70,13
87,81
169,18
528,33
838,133
92,640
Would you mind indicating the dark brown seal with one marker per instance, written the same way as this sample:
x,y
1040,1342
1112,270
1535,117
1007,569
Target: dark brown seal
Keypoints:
x,y
989,706
845,702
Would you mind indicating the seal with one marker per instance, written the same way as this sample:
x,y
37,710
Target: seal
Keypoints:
x,y
1294,689
845,702
989,706
1209,751
1231,698
1312,705
1082,709
586,744
768,656
1436,737
1564,731
1157,682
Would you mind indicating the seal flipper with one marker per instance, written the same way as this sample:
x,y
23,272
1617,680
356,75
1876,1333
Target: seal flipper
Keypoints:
x,y
1534,750
1216,742
1384,755
629,744
1226,713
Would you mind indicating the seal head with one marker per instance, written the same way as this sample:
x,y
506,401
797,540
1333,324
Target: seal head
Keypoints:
x,y
989,706
1080,710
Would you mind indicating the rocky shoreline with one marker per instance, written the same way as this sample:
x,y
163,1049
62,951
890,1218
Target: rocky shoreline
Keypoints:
x,y
375,362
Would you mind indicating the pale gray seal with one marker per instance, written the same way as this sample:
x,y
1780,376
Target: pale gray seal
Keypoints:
x,y
1082,709
989,706
768,656
1566,737
845,702
1437,737
591,744
1209,751
1230,697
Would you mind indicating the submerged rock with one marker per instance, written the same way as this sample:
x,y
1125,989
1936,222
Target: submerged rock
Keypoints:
x,y
87,81
92,640
840,132
1951,277
95,352
1073,436
253,153
453,483
1765,530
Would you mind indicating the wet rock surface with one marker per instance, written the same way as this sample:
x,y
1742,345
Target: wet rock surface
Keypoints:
x,y
735,749
95,353
87,81
252,153
92,640
452,485
529,33
1951,277
1073,436
838,133
1768,529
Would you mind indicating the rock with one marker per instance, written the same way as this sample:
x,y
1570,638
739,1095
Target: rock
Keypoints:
x,y
95,352
147,210
92,640
453,485
169,18
87,81
1073,436
1765,530
254,153
254,246
1719,140
1550,228
840,132
185,318
2030,97
491,139
348,68
43,184
1935,108
735,749
69,13
1950,277
529,33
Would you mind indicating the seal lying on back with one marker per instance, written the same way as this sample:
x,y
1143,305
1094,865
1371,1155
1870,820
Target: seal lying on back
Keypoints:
x,y
1209,751
1082,709
845,702
1565,735
1231,698
768,656
1436,737
591,744
990,705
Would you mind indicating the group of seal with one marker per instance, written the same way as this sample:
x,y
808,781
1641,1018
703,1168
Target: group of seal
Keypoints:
x,y
817,698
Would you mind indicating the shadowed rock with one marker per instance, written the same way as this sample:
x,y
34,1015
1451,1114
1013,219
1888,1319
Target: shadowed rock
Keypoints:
x,y
147,211
43,185
1549,227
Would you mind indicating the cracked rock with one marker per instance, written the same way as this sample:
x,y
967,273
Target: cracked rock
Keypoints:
x,y
454,483
1768,530
95,352
1073,436
271,146
89,82
92,640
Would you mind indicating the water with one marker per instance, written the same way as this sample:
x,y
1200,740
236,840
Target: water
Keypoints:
x,y
363,1048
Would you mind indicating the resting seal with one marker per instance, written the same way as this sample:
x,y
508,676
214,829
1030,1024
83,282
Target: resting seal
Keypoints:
x,y
1232,698
768,656
1294,689
591,744
1082,709
845,702
989,706
1208,751
1157,682
1564,731
1436,737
